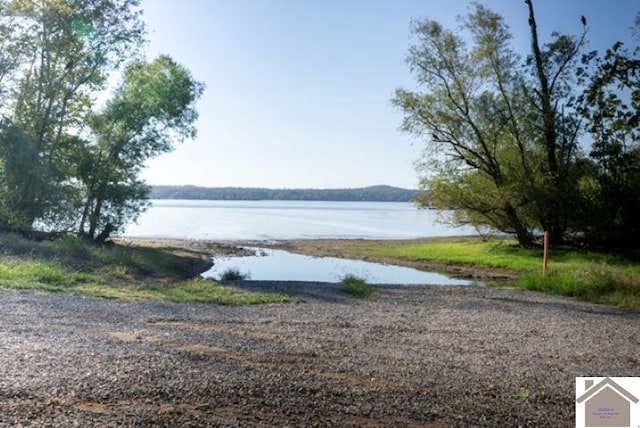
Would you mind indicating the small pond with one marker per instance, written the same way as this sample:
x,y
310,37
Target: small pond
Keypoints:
x,y
279,265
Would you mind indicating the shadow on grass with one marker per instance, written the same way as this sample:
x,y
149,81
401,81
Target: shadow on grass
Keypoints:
x,y
124,272
116,261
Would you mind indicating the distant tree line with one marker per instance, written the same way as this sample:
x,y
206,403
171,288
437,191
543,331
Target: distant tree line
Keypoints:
x,y
71,150
372,193
549,142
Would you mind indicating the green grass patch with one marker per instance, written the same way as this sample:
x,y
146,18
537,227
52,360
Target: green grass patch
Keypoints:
x,y
357,287
204,291
601,277
196,290
41,275
600,283
125,272
493,254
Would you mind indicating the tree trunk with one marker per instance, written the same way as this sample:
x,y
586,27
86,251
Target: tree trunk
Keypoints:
x,y
525,239
552,212
85,216
95,218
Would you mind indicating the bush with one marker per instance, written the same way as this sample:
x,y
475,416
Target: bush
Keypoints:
x,y
356,286
233,274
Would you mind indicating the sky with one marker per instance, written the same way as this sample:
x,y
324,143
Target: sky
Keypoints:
x,y
298,91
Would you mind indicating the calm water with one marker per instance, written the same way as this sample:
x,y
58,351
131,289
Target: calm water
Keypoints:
x,y
268,220
278,265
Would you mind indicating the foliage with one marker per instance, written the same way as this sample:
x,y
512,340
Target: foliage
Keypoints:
x,y
58,55
24,180
233,274
611,205
500,149
153,107
524,393
356,286
552,93
597,283
66,163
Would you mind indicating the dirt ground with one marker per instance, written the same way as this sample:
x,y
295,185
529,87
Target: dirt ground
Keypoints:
x,y
411,356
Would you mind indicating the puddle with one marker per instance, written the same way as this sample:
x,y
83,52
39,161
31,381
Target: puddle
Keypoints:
x,y
279,265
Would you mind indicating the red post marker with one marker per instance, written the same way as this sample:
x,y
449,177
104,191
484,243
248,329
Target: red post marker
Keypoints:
x,y
545,257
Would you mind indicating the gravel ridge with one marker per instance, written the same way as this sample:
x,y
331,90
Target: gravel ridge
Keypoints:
x,y
412,356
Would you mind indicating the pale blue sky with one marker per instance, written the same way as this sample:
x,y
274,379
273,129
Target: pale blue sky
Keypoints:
x,y
298,90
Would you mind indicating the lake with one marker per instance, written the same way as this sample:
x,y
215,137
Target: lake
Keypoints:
x,y
278,265
278,220
273,220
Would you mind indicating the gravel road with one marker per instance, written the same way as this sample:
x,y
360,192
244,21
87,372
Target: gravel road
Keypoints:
x,y
412,356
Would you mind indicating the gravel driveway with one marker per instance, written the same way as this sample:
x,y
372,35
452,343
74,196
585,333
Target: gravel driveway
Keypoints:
x,y
412,356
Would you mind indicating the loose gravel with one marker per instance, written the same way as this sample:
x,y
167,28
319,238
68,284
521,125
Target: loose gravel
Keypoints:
x,y
411,356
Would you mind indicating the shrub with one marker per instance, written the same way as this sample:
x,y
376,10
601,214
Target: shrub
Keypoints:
x,y
233,274
356,286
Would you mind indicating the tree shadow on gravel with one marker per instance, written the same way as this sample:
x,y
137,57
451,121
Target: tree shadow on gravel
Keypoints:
x,y
572,307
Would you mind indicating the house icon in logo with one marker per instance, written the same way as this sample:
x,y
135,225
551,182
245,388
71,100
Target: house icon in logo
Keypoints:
x,y
606,404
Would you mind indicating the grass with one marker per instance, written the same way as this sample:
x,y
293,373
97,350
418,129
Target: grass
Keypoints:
x,y
132,272
196,290
601,277
115,272
357,287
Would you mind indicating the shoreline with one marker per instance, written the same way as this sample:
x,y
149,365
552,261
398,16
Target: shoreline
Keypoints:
x,y
329,247
434,356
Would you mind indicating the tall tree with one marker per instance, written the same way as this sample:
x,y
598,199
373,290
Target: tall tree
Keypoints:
x,y
152,109
501,142
70,46
470,108
62,52
555,68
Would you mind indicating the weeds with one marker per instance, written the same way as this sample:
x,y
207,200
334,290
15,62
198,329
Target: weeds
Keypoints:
x,y
233,274
356,286
596,283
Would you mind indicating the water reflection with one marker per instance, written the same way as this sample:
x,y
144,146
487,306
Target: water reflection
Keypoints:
x,y
279,265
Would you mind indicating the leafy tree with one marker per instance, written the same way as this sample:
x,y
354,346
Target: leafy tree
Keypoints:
x,y
68,47
612,111
469,108
152,109
65,164
24,180
556,67
56,55
501,143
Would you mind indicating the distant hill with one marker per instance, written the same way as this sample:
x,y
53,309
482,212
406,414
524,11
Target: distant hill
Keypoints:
x,y
372,194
